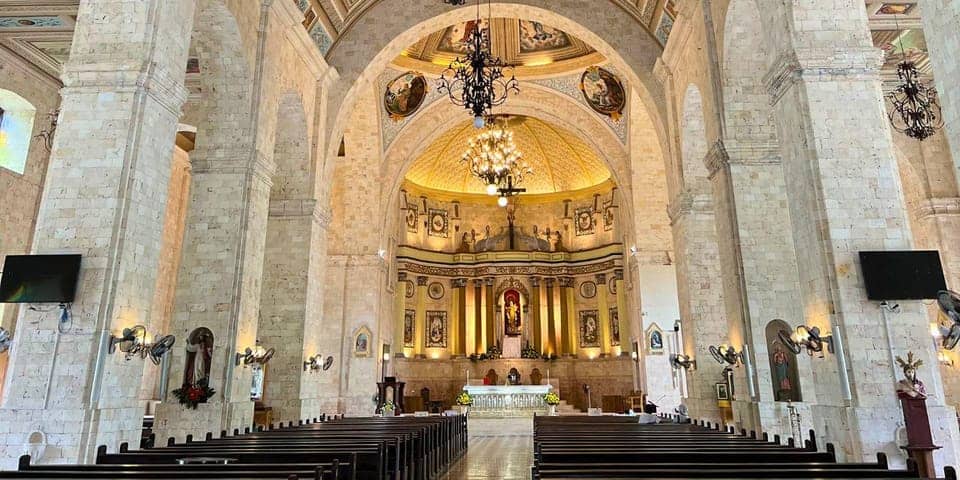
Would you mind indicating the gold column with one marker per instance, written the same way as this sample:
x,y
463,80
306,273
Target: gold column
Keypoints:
x,y
454,326
420,329
460,286
604,314
535,323
574,320
491,310
401,307
622,314
550,345
478,315
566,312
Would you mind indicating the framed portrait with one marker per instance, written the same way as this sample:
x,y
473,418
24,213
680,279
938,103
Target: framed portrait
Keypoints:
x,y
404,95
439,225
589,329
614,327
723,391
436,329
604,92
361,342
584,222
409,317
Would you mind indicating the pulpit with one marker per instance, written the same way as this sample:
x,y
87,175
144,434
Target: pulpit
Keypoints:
x,y
390,384
920,445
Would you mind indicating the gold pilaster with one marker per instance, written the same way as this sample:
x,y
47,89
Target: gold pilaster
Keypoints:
x,y
550,345
491,315
622,314
460,286
478,316
566,317
420,330
400,306
535,322
604,314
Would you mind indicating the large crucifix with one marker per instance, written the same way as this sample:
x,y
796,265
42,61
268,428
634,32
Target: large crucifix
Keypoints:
x,y
508,192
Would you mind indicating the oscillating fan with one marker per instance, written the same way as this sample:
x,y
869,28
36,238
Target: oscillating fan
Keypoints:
x,y
949,303
716,354
6,340
160,348
787,340
678,361
328,363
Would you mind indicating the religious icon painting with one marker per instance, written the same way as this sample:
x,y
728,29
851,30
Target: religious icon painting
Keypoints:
x,y
439,223
614,327
361,342
584,222
536,37
411,217
604,92
409,319
405,95
588,289
435,290
608,217
436,329
589,329
723,391
655,341
512,313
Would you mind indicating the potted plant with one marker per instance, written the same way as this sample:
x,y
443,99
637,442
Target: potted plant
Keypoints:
x,y
464,400
552,400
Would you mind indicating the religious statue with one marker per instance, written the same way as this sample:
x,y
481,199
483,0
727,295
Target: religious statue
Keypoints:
x,y
512,313
911,385
781,363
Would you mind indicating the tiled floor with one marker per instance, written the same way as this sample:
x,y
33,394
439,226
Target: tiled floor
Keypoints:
x,y
499,449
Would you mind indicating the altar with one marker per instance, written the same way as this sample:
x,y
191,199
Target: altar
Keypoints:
x,y
507,400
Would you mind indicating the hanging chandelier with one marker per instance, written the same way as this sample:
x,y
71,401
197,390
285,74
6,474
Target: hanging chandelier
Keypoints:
x,y
477,82
916,110
494,158
455,2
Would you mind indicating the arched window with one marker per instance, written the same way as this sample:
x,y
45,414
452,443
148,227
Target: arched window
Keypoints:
x,y
199,355
16,130
783,365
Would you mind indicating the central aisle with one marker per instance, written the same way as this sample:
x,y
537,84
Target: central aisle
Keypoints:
x,y
500,448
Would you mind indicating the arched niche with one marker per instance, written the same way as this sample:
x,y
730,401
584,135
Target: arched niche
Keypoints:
x,y
784,373
199,349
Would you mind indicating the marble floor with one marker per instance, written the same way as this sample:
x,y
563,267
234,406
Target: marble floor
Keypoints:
x,y
499,449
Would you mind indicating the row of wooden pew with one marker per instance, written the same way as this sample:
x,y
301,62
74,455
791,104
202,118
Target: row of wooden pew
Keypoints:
x,y
619,447
395,448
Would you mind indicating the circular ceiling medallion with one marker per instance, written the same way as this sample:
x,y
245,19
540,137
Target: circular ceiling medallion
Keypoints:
x,y
604,92
404,95
435,290
588,289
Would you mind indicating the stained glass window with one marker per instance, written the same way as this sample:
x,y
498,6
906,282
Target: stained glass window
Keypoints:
x,y
16,130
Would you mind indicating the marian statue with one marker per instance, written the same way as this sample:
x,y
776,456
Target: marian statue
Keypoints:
x,y
512,312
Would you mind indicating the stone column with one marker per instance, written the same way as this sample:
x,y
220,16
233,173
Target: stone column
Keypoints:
x,y
460,286
550,343
478,316
490,327
106,187
537,326
940,20
843,198
700,295
455,333
604,315
566,284
400,298
420,329
623,314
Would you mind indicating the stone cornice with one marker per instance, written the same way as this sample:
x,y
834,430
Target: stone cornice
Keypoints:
x,y
689,202
12,59
722,155
481,273
813,65
293,208
717,159
164,87
935,207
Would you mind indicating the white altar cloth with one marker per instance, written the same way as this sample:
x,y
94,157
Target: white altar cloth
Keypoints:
x,y
507,400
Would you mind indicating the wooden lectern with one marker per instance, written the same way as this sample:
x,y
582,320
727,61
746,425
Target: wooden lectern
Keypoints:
x,y
920,445
396,388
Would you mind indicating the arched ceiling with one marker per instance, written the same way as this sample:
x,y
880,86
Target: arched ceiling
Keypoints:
x,y
560,161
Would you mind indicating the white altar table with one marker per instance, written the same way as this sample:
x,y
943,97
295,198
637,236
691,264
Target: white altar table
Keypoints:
x,y
507,400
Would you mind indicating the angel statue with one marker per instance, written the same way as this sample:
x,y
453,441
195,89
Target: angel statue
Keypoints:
x,y
911,385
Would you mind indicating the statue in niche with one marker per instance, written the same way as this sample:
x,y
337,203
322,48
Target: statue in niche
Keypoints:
x,y
783,365
512,313
199,356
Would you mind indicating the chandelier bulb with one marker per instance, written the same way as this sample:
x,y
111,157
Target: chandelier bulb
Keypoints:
x,y
502,201
492,189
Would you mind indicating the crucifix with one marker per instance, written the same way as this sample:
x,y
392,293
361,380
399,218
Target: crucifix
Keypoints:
x,y
505,193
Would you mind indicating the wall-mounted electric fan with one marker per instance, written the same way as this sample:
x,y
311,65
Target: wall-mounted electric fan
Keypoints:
x,y
160,348
328,363
949,303
6,340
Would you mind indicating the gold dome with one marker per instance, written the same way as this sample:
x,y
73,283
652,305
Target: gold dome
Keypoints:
x,y
560,161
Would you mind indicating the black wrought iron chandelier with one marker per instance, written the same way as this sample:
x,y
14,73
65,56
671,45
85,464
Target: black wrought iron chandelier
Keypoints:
x,y
477,82
455,2
916,111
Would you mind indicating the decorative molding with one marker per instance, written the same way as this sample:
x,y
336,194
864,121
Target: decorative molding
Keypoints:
x,y
813,65
293,208
401,276
477,273
535,282
717,159
601,279
422,280
458,283
935,207
688,202
566,282
549,282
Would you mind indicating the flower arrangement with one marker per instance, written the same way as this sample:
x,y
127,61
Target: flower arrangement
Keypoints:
x,y
551,398
529,352
464,399
195,394
389,406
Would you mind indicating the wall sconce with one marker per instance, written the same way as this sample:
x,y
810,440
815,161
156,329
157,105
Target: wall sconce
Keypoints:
x,y
725,354
255,356
635,356
313,363
133,342
806,337
685,362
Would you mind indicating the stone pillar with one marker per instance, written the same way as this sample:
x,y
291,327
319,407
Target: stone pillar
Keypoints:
x,y
400,313
623,314
460,286
106,187
420,329
455,333
940,20
478,316
566,286
490,327
535,318
604,315
843,198
550,342
699,290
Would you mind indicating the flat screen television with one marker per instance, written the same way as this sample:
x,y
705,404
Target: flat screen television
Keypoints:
x,y
39,278
902,275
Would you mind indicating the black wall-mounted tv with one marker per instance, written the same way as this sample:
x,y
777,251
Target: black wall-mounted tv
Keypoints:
x,y
39,278
902,275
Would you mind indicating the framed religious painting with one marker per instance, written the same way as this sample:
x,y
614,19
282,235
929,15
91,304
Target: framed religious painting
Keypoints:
x,y
609,215
436,329
409,319
411,218
583,221
654,340
723,392
439,224
604,92
589,329
405,95
614,327
361,342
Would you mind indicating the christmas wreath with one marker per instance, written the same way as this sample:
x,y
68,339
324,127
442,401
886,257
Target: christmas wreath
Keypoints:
x,y
195,394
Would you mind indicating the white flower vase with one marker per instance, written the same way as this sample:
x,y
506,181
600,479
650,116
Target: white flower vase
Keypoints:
x,y
552,410
464,409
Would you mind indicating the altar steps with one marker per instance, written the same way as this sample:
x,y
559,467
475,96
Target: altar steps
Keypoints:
x,y
566,409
